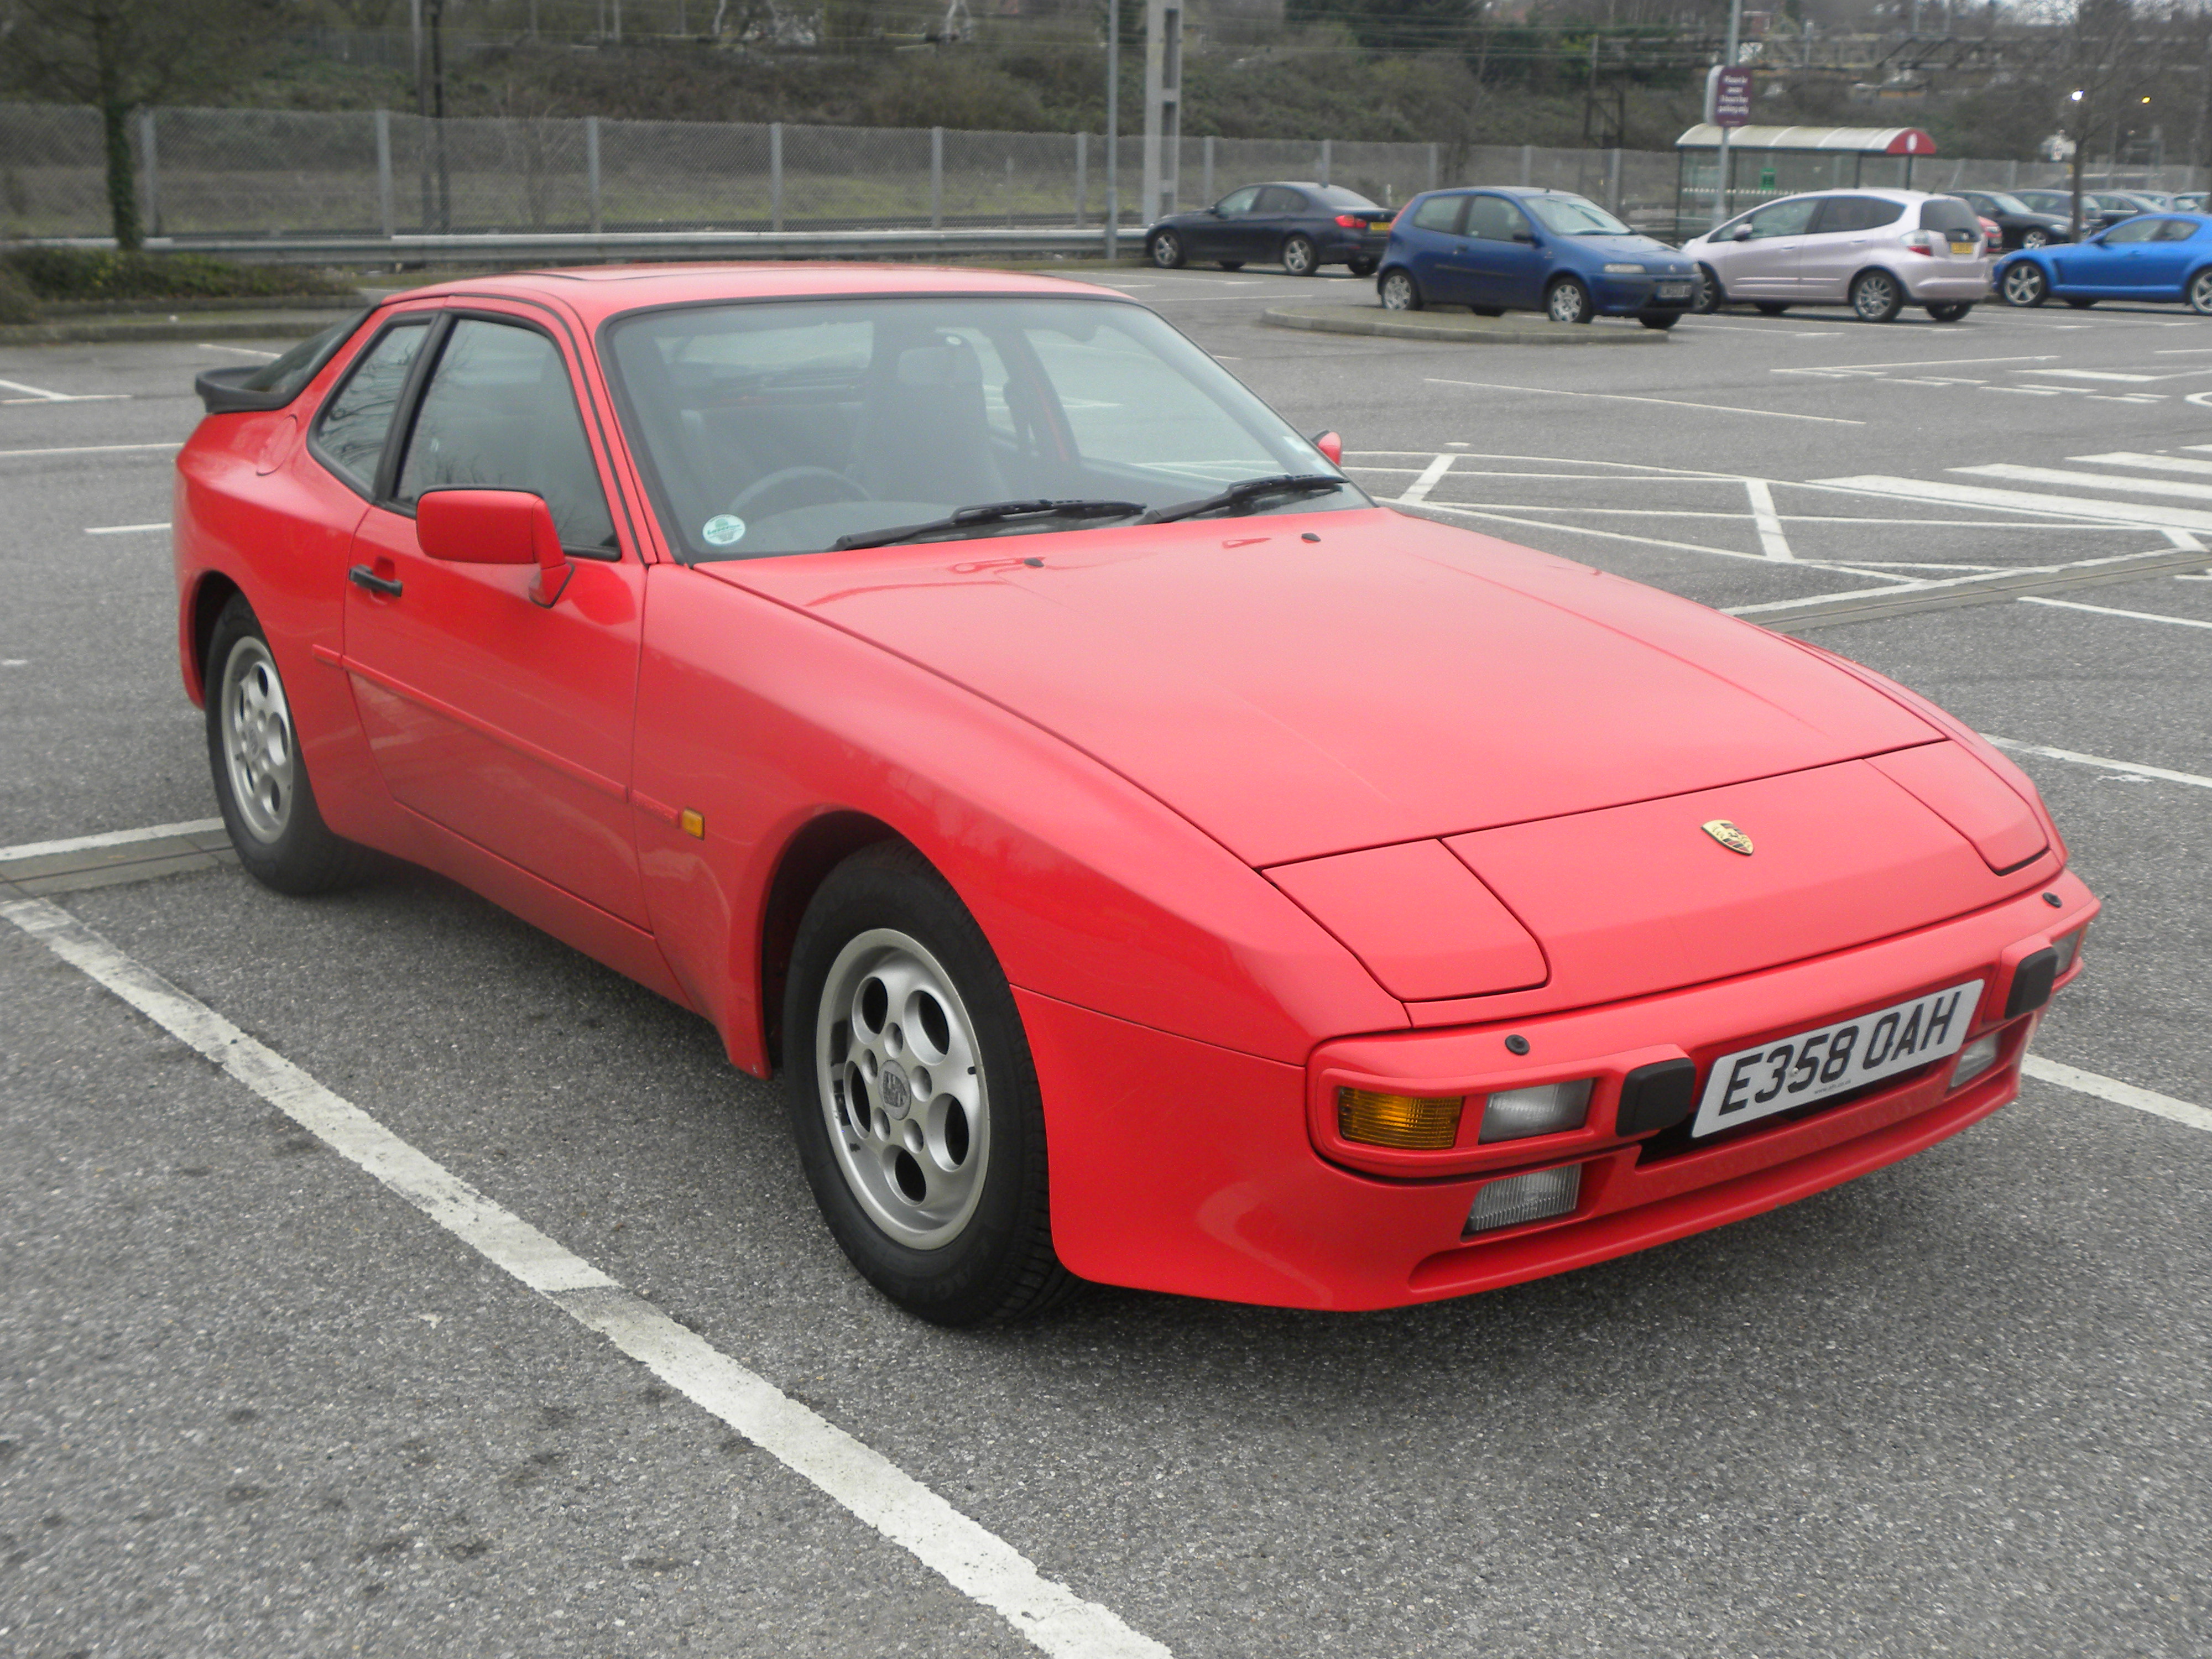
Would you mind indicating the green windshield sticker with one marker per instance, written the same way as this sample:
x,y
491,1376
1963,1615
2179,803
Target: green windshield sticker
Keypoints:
x,y
722,529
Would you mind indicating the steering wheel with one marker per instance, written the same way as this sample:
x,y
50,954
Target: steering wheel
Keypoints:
x,y
793,480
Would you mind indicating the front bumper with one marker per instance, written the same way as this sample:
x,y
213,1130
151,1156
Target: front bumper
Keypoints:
x,y
1175,1166
1616,296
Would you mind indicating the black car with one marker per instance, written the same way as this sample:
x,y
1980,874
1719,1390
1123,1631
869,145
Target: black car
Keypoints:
x,y
2101,211
1299,226
2022,225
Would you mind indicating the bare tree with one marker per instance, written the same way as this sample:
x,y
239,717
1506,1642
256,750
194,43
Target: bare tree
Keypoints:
x,y
118,56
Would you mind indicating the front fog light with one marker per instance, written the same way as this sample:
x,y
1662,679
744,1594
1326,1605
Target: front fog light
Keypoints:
x,y
1533,1197
1416,1123
1976,1058
1545,1110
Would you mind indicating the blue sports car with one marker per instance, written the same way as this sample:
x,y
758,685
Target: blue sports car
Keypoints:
x,y
1508,249
2164,257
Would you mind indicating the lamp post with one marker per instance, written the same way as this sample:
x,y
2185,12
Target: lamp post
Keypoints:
x,y
1113,128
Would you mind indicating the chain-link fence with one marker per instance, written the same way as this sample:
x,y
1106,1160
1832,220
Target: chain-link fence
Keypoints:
x,y
227,173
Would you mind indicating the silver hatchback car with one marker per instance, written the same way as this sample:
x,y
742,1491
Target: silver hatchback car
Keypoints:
x,y
1875,251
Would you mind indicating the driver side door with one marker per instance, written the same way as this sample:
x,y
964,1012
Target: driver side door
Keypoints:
x,y
1214,235
505,720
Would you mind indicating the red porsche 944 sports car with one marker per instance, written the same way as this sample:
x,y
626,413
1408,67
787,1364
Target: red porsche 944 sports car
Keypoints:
x,y
1148,860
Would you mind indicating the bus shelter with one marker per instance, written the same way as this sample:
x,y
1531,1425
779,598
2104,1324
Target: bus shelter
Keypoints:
x,y
1764,162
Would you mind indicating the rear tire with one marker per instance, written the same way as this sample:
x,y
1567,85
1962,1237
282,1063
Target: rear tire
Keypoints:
x,y
1361,267
260,777
1300,257
2199,293
1398,291
1487,310
2024,284
2079,305
1876,296
1164,249
1951,310
1230,264
913,1097
1769,307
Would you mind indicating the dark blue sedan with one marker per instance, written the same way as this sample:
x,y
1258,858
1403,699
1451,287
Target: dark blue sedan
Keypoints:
x,y
1517,249
2163,257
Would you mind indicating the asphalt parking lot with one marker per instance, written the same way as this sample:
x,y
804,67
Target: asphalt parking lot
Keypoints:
x,y
252,1401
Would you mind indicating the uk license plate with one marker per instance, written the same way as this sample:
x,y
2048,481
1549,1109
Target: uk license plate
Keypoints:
x,y
1674,290
1812,1064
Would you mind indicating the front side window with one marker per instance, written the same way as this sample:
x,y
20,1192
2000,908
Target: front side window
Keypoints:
x,y
784,427
1791,218
2133,230
500,414
1494,219
1238,202
351,431
1574,216
1439,213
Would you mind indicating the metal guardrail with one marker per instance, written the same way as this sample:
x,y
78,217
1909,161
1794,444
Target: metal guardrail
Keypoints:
x,y
557,247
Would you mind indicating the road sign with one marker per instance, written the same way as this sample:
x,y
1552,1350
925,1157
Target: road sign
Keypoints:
x,y
1728,96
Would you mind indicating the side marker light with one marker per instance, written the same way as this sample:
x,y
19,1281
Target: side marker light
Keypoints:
x,y
692,824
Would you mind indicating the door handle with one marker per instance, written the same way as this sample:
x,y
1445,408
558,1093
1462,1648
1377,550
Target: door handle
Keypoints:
x,y
361,576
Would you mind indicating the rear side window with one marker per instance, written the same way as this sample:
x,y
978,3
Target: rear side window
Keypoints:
x,y
500,415
1948,213
1280,199
288,375
1440,213
1494,219
1847,213
1336,195
2175,230
350,433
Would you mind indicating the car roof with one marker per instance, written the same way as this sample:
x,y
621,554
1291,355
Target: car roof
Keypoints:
x,y
596,292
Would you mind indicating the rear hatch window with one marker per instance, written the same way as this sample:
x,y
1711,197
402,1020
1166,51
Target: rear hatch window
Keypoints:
x,y
1947,215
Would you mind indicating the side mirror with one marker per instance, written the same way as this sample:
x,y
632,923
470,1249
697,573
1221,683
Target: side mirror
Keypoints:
x,y
1331,446
494,526
1527,236
1740,234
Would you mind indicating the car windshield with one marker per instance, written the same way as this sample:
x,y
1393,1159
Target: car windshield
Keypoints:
x,y
775,428
1336,195
1572,215
2004,204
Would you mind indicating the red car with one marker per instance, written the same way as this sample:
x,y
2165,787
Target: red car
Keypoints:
x,y
1149,860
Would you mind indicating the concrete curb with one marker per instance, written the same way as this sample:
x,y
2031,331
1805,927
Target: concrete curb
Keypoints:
x,y
1460,328
182,325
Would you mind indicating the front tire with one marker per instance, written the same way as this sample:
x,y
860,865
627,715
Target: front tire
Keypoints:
x,y
2199,293
1951,310
1769,307
1164,249
2035,238
2024,284
1876,296
1300,257
260,778
1662,321
1230,264
2079,305
913,1097
1361,267
1569,301
1711,295
1398,291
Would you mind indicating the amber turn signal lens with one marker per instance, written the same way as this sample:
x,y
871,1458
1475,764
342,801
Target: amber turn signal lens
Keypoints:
x,y
1414,1122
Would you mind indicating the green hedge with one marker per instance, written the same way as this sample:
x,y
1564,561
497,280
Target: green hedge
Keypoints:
x,y
53,273
17,304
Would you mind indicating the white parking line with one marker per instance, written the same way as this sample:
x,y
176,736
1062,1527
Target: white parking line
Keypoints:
x,y
975,1560
2120,1094
243,351
39,849
87,449
2147,462
1962,495
1625,398
123,529
2102,762
36,394
2109,610
1419,490
2055,475
1775,545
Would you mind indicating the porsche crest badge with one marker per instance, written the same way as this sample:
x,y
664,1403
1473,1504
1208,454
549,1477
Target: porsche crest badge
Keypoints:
x,y
1729,835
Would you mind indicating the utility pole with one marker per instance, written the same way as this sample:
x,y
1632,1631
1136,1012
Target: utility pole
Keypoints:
x,y
1721,184
1162,106
1113,128
421,105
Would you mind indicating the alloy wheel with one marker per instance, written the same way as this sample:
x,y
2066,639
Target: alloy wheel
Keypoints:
x,y
256,739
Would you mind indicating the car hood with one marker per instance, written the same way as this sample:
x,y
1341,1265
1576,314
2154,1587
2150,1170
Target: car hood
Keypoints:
x,y
1387,679
1640,247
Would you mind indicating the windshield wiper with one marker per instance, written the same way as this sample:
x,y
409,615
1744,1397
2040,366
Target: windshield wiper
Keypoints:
x,y
1285,484
987,512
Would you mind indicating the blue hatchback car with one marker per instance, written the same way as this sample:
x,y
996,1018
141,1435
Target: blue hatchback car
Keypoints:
x,y
1503,248
2164,257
